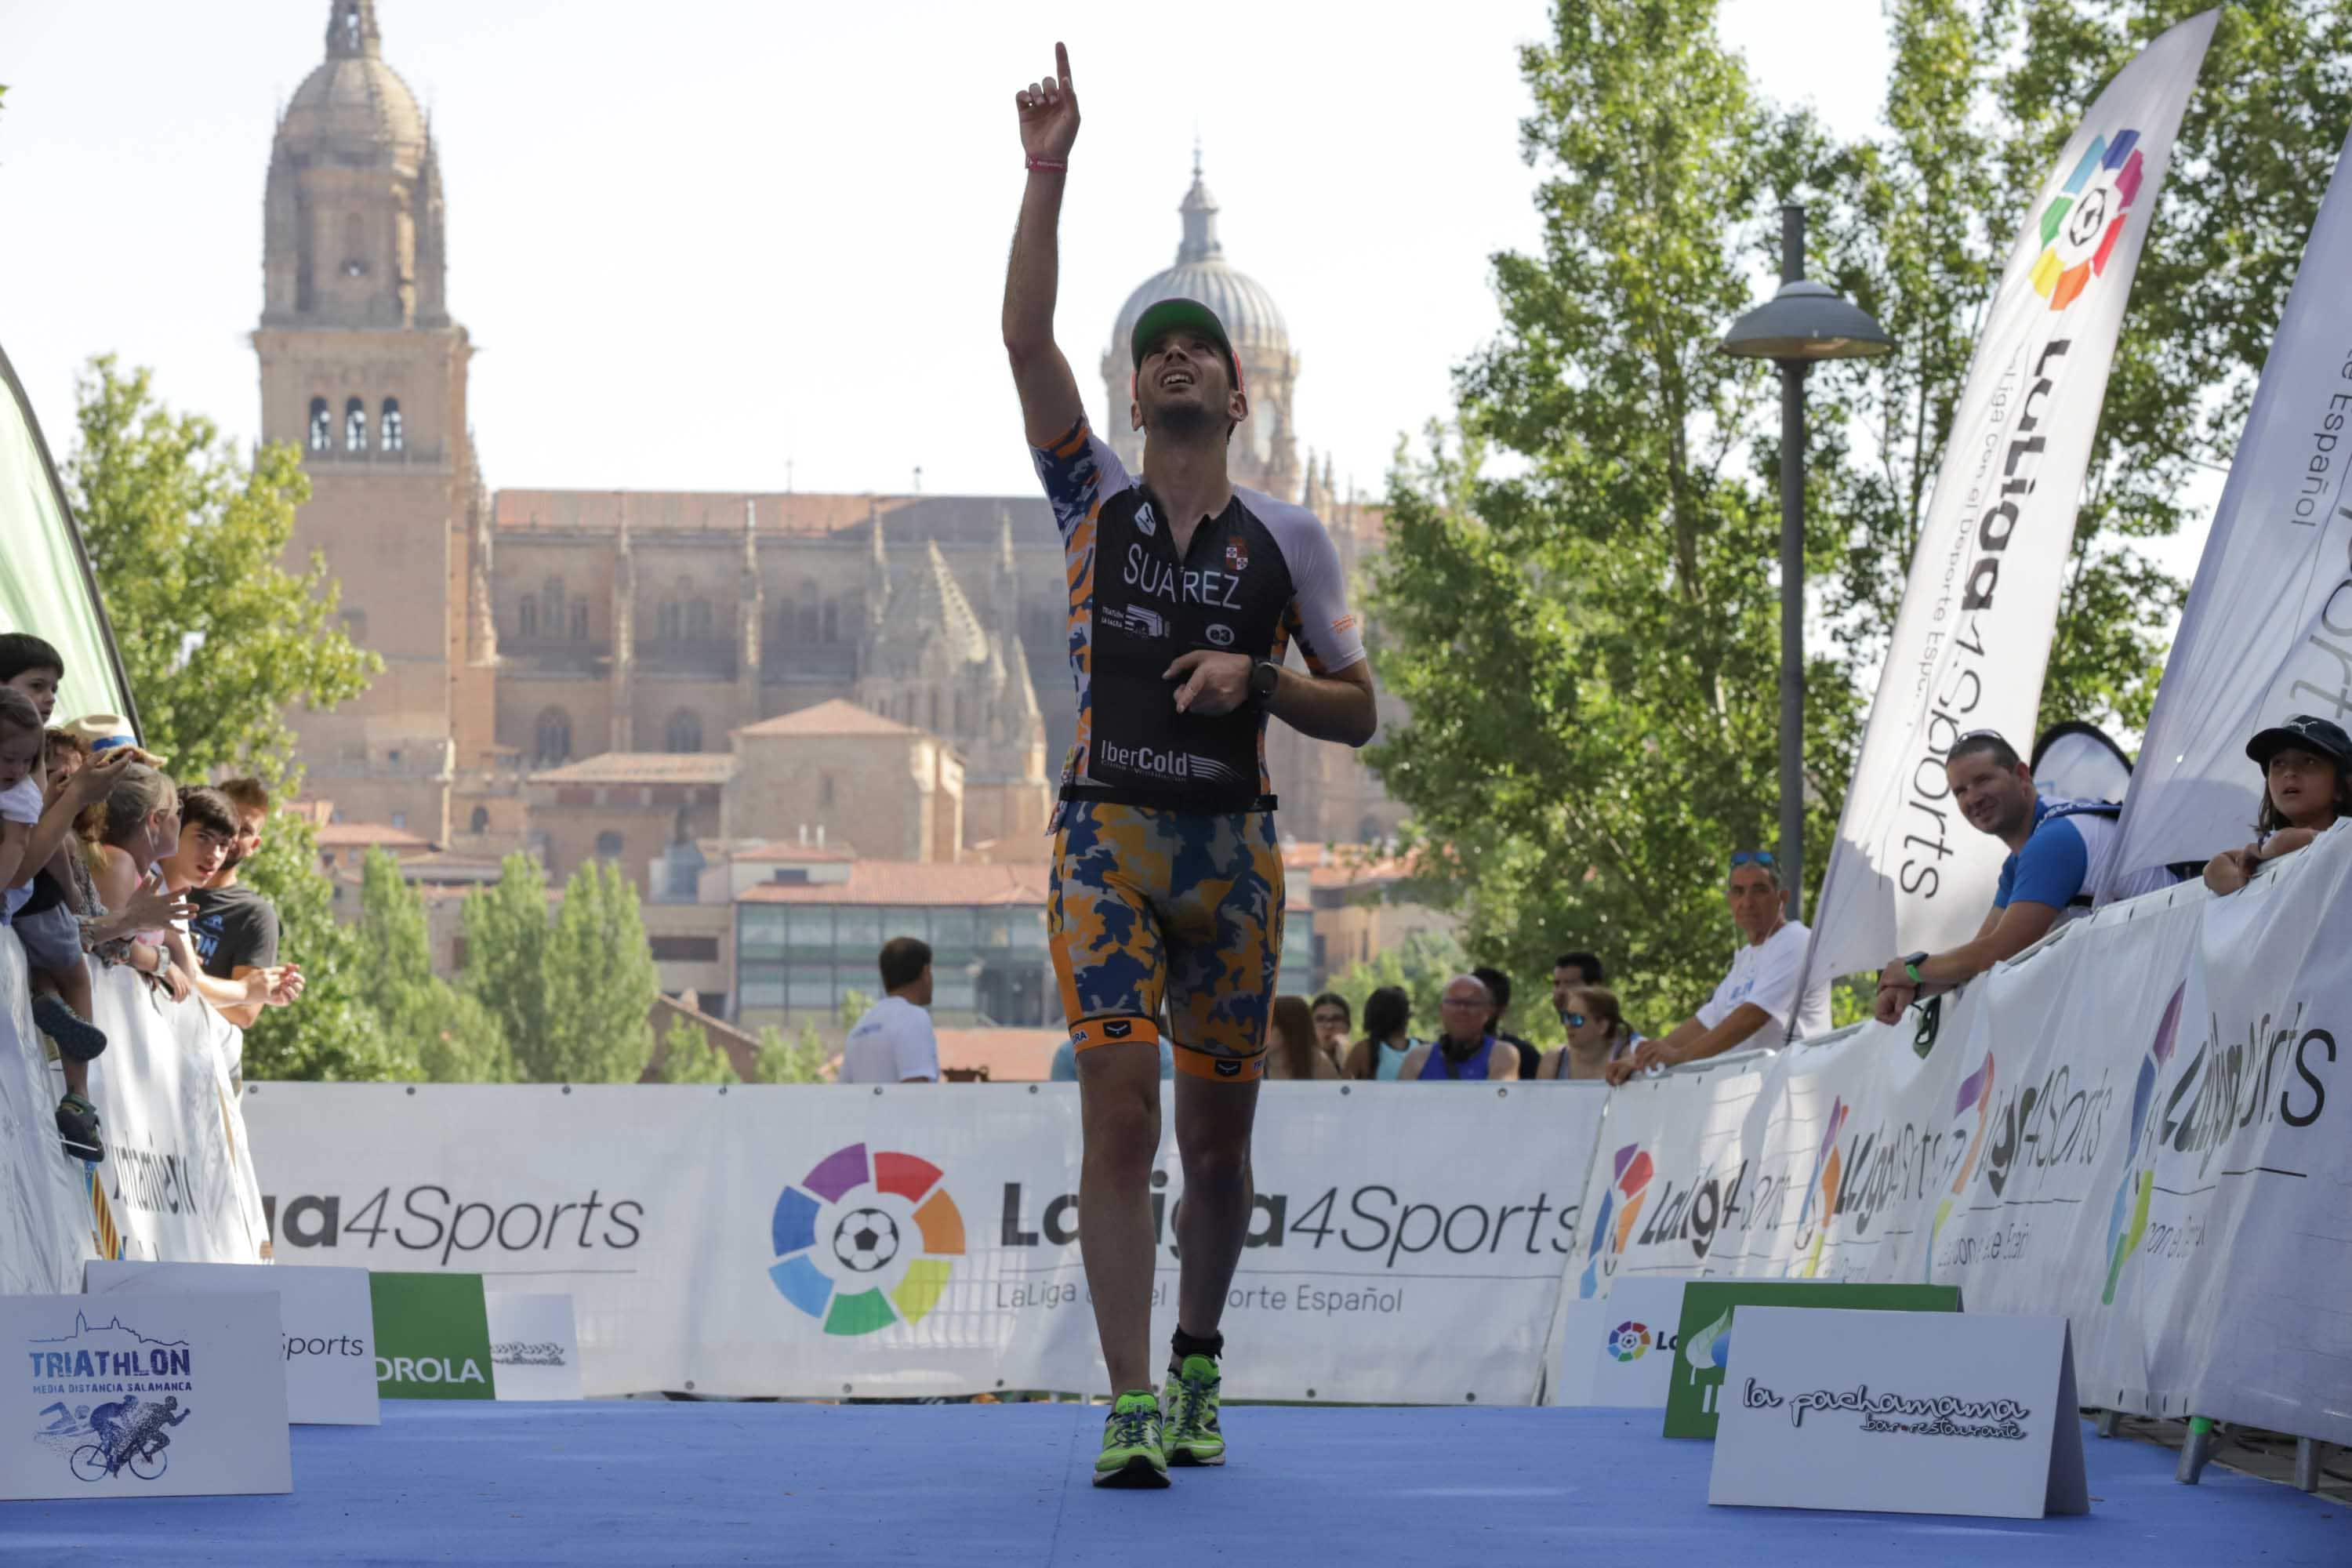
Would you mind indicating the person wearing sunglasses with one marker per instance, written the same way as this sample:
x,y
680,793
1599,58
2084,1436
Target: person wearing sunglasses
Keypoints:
x,y
1759,1002
2057,854
1597,1036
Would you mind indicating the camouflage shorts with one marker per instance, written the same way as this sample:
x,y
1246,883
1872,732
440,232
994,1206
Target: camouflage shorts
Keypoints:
x,y
1149,905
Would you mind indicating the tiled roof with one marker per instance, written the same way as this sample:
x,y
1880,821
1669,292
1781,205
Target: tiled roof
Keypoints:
x,y
830,718
926,882
1011,1056
367,835
787,852
644,767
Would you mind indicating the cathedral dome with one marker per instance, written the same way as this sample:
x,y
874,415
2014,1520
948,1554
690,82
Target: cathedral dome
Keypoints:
x,y
353,107
1202,273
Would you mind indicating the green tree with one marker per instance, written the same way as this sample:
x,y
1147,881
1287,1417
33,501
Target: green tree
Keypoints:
x,y
218,638
506,955
797,1059
601,984
333,1033
1587,640
854,1006
689,1057
453,1035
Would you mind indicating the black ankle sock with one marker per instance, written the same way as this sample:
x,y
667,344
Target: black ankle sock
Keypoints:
x,y
1182,1344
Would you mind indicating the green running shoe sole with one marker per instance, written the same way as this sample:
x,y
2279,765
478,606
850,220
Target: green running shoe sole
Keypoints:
x,y
1188,1457
1138,1473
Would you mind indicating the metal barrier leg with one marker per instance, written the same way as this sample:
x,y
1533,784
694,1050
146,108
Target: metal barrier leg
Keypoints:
x,y
2307,1452
2110,1423
2195,1451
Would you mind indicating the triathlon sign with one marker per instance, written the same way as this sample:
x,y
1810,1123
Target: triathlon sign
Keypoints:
x,y
1900,1413
324,1326
128,1397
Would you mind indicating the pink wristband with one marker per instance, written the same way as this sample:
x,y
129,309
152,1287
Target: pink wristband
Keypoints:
x,y
1046,163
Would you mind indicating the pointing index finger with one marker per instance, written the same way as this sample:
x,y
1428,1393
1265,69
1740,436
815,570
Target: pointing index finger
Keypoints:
x,y
1062,64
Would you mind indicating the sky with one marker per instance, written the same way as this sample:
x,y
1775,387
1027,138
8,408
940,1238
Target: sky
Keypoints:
x,y
707,246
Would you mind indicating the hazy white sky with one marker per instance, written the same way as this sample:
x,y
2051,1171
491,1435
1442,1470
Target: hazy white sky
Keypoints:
x,y
695,241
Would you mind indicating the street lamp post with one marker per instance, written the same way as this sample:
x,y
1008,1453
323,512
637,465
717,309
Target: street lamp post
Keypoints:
x,y
1802,323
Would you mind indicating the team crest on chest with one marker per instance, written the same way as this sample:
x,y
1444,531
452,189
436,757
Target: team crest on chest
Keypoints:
x,y
1236,556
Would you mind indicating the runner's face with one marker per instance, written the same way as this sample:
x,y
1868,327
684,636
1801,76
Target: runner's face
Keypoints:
x,y
1182,384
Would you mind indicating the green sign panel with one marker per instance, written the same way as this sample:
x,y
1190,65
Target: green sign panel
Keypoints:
x,y
1705,1348
432,1337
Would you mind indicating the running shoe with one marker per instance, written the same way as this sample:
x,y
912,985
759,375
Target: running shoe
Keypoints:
x,y
1130,1452
77,1125
76,1036
1190,1402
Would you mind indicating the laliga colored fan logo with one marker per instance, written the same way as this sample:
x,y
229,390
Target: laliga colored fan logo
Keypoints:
x,y
1628,1339
2086,218
1628,1187
865,1243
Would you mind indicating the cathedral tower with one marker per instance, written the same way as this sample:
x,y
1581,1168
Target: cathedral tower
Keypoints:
x,y
362,369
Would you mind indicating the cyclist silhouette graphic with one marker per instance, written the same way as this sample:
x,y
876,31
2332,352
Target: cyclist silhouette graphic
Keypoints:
x,y
129,1433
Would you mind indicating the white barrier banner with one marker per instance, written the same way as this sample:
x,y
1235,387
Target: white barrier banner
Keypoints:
x,y
2126,1125
45,1231
1972,638
177,1181
902,1240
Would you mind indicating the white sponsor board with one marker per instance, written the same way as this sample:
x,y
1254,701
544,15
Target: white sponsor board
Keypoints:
x,y
2138,1124
326,1327
1972,638
2267,633
534,1345
896,1240
1618,1350
128,1396
1900,1413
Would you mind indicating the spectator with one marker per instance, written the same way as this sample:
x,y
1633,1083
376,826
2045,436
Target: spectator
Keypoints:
x,y
235,929
1597,1036
1334,1020
140,825
893,1043
1380,1053
2306,766
1760,990
30,665
1498,987
2057,850
1462,1049
1293,1049
208,830
23,810
1571,970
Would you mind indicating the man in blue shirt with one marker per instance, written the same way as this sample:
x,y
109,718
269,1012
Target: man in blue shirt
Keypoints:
x,y
2054,849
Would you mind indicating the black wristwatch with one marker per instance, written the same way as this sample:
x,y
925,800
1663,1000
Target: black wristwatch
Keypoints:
x,y
1264,675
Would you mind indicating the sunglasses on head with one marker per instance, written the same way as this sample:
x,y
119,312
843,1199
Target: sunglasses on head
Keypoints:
x,y
1753,857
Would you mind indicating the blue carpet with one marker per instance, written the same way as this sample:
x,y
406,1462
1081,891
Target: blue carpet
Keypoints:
x,y
640,1483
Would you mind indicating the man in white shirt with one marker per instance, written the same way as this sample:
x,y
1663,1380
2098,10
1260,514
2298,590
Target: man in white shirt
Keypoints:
x,y
1757,1001
894,1042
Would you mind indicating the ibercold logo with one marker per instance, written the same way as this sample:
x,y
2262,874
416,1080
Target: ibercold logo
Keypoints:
x,y
863,1244
1627,1189
2086,218
1628,1339
2139,1182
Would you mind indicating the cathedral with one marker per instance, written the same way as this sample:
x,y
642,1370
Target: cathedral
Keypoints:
x,y
525,631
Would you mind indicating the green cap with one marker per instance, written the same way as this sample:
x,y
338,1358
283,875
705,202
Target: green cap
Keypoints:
x,y
1165,316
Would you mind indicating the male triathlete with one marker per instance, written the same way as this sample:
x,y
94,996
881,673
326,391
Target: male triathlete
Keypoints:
x,y
1184,594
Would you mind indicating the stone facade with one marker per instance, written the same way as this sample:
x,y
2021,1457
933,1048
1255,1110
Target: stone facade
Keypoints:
x,y
534,630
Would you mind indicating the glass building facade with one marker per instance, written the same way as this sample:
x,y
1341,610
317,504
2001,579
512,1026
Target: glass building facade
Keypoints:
x,y
799,960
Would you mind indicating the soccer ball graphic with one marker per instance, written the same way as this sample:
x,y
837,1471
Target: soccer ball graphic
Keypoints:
x,y
864,1240
1627,1341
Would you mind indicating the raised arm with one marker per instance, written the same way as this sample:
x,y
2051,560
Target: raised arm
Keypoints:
x,y
1049,128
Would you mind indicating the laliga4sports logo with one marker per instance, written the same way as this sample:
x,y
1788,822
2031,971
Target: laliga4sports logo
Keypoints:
x,y
2128,1220
866,1242
1629,1186
2083,222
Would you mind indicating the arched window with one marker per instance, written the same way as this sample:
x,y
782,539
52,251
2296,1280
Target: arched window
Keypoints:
x,y
832,620
322,428
393,436
698,619
481,821
779,634
608,845
351,25
527,617
579,620
685,731
354,425
555,737
665,622
550,607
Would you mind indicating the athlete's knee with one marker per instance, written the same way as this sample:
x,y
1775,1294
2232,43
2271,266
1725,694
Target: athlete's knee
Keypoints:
x,y
1122,1129
1215,1166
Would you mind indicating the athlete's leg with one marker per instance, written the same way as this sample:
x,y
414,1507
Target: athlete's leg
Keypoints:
x,y
1213,1118
1118,1088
